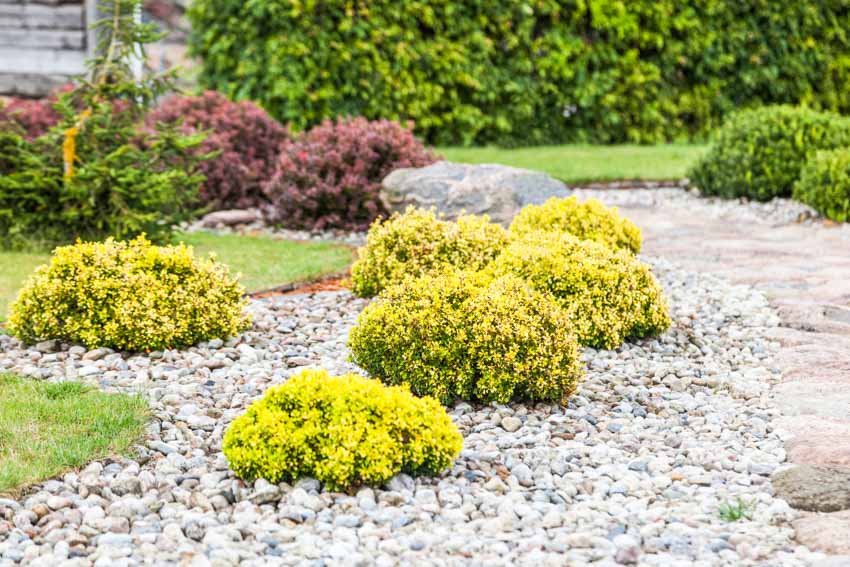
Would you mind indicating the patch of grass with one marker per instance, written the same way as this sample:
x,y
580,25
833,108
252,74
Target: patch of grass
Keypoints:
x,y
581,163
49,428
267,262
735,511
14,269
263,262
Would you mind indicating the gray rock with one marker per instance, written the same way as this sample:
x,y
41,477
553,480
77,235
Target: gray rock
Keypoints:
x,y
814,488
511,423
454,189
231,217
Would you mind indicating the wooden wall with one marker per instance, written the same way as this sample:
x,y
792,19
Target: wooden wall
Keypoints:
x,y
42,43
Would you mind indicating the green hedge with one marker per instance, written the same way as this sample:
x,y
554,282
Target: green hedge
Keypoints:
x,y
526,71
759,153
824,184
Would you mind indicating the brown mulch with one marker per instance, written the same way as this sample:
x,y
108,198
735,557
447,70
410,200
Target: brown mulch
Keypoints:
x,y
333,282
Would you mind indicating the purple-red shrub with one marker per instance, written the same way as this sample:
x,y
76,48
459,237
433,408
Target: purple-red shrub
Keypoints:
x,y
330,176
33,117
247,138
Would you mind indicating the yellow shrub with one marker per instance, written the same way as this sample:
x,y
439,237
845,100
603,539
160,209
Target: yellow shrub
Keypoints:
x,y
129,296
416,242
610,295
342,430
463,335
590,220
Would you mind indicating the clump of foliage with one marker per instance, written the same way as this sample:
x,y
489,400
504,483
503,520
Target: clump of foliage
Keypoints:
x,y
759,154
416,242
590,220
243,138
525,72
462,335
130,296
824,184
344,431
28,117
95,174
330,176
736,511
610,296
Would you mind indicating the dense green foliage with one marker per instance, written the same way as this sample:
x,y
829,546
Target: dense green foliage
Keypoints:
x,y
344,431
609,294
95,173
48,428
414,243
587,220
526,71
129,296
824,184
462,335
759,153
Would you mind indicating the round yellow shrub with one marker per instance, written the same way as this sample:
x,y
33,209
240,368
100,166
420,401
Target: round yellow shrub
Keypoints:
x,y
609,294
462,335
416,242
129,296
588,220
344,431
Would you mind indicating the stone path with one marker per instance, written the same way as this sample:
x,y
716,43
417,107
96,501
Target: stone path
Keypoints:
x,y
804,269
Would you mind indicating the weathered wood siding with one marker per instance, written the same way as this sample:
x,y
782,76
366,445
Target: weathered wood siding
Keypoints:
x,y
42,43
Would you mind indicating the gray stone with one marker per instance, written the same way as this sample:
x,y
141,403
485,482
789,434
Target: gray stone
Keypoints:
x,y
815,489
454,189
231,217
511,423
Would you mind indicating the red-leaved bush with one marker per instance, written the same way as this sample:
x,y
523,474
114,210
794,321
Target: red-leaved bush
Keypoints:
x,y
329,177
247,138
31,117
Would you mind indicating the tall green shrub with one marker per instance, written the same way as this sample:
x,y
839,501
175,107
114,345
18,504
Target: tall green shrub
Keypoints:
x,y
526,71
96,173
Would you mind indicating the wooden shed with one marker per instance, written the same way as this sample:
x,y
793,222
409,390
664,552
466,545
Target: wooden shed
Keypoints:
x,y
43,43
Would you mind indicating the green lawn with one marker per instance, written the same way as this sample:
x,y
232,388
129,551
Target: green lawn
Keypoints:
x,y
47,428
263,262
578,163
266,262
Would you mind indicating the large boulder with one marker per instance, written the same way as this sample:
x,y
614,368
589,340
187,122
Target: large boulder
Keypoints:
x,y
455,188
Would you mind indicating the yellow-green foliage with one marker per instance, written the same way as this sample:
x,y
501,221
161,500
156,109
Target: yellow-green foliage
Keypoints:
x,y
610,295
464,335
342,430
416,242
129,296
590,220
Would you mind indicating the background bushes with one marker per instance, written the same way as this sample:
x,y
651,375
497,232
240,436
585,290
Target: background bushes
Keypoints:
x,y
526,71
330,176
246,141
824,184
760,153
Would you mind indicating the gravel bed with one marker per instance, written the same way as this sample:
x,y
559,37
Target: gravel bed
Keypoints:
x,y
659,436
776,212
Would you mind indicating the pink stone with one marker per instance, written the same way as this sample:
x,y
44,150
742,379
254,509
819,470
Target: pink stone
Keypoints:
x,y
827,533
